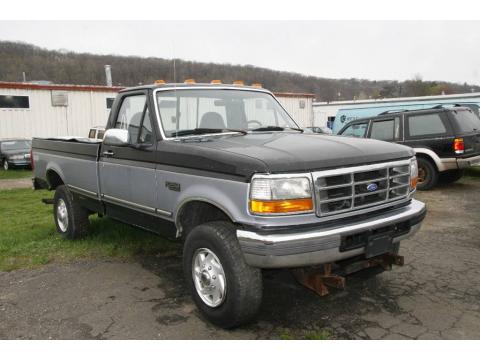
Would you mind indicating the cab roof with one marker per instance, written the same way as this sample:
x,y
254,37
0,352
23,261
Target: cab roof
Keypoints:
x,y
194,85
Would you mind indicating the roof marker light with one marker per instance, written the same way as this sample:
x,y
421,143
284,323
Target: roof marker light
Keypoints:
x,y
159,82
216,82
238,82
189,81
257,85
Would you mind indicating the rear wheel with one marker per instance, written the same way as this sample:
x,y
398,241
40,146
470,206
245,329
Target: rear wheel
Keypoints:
x,y
451,176
427,174
71,219
226,290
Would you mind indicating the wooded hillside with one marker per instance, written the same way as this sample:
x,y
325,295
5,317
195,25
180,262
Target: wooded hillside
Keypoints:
x,y
64,67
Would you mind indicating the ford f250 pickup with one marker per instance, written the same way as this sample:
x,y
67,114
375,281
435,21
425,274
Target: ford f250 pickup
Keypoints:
x,y
225,169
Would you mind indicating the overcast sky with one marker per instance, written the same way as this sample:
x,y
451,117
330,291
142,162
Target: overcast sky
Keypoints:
x,y
395,50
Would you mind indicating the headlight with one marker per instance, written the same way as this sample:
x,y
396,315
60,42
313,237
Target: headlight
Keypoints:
x,y
280,195
413,174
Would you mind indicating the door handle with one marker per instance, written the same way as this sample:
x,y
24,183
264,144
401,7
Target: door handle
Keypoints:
x,y
108,153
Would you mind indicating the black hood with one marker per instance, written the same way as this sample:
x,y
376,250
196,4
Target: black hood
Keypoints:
x,y
279,152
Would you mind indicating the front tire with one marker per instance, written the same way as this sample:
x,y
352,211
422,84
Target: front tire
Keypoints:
x,y
427,174
70,218
225,289
5,165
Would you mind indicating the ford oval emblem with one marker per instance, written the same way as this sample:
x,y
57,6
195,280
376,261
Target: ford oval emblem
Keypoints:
x,y
372,187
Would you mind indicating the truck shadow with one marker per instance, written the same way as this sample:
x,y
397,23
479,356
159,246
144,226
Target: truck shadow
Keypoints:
x,y
286,303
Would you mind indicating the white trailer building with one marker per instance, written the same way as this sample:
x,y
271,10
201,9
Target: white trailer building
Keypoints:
x,y
38,110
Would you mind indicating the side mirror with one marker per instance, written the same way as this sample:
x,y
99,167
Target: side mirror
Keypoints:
x,y
116,137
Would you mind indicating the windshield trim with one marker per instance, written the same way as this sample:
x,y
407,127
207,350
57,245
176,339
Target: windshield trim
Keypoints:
x,y
157,111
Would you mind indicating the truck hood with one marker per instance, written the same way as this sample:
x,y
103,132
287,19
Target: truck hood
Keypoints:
x,y
278,152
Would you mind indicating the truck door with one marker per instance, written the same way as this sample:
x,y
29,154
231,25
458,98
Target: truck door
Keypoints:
x,y
127,173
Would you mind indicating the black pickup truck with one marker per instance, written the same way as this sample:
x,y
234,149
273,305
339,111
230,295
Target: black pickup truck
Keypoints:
x,y
446,140
226,169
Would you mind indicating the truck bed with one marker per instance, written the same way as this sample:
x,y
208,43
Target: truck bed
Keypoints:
x,y
73,159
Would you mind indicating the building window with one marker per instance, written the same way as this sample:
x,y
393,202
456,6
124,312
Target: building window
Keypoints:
x,y
14,102
301,104
110,102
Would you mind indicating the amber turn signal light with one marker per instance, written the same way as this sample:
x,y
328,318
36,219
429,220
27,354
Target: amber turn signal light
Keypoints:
x,y
413,182
280,206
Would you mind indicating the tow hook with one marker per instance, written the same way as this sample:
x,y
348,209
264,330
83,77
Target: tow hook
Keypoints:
x,y
319,278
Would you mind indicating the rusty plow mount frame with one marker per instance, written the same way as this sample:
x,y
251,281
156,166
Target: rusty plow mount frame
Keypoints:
x,y
319,278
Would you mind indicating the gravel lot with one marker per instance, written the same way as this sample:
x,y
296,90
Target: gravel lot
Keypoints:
x,y
15,184
436,295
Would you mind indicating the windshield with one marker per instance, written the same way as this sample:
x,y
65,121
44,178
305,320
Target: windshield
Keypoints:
x,y
182,111
16,145
467,121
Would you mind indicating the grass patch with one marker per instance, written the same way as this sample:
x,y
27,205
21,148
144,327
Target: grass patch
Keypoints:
x,y
15,174
28,237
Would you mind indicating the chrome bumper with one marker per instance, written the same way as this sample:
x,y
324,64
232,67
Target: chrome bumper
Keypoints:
x,y
320,246
21,162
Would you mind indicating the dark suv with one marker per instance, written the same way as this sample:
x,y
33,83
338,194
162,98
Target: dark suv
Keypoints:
x,y
446,139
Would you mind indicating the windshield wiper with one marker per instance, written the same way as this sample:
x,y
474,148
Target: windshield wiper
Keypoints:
x,y
202,131
276,128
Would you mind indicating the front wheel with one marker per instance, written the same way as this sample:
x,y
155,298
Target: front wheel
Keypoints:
x,y
70,218
5,165
226,290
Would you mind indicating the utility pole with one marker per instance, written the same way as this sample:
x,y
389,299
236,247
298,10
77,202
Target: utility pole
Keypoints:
x,y
108,74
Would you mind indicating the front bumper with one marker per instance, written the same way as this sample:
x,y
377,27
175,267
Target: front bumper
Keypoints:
x,y
19,163
323,245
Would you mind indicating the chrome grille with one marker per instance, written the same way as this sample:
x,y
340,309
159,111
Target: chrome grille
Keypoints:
x,y
348,189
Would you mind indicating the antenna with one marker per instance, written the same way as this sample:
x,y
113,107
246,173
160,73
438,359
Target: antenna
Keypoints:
x,y
177,110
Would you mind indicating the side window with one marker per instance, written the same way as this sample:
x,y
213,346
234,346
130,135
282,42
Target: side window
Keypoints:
x,y
91,134
134,117
356,130
383,130
100,134
425,125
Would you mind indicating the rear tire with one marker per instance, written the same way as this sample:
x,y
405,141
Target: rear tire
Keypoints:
x,y
450,176
427,174
71,219
230,294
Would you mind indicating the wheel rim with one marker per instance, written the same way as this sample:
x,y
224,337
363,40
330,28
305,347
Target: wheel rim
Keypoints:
x,y
422,175
62,215
5,165
209,277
